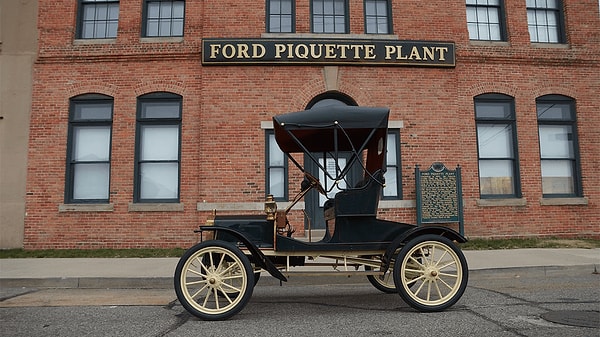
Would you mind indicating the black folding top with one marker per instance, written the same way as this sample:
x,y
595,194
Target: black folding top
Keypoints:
x,y
328,128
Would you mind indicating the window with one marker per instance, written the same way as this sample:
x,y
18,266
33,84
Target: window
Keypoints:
x,y
544,18
98,19
329,16
158,142
558,146
485,20
88,149
280,14
277,170
496,140
163,18
377,17
393,186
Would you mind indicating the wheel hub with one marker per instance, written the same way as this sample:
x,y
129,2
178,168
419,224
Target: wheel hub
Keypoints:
x,y
431,273
214,279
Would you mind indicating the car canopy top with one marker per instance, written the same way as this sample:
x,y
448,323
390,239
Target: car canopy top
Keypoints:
x,y
334,129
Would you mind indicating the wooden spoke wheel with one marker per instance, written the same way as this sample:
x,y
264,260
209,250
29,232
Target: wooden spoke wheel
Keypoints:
x,y
214,280
430,273
383,283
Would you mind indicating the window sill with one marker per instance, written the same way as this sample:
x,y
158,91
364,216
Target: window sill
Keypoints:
x,y
85,208
563,201
340,36
519,202
162,39
489,43
242,206
83,42
386,204
555,45
155,207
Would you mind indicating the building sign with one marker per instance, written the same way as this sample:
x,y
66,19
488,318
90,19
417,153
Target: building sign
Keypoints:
x,y
324,52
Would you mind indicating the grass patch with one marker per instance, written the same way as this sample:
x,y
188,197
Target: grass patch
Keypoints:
x,y
474,244
488,244
90,253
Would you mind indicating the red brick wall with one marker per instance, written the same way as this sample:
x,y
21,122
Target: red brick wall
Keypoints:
x,y
223,145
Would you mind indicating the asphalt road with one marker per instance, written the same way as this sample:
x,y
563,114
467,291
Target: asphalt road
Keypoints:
x,y
506,302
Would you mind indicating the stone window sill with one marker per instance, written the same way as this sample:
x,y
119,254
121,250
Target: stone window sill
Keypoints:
x,y
86,208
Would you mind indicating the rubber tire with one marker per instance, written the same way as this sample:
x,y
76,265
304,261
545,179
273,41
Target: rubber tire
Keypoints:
x,y
457,287
235,256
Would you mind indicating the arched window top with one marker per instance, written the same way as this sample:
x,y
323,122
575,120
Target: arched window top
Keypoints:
x,y
555,97
91,107
331,98
555,108
160,95
91,96
494,106
493,96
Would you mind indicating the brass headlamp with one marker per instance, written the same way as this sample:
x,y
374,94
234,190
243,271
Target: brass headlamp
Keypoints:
x,y
270,207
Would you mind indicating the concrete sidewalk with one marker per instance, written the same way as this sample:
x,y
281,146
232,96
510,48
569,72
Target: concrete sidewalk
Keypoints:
x,y
158,272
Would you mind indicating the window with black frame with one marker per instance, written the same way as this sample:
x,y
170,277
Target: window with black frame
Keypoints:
x,y
559,151
89,149
497,146
545,21
158,147
281,16
393,174
277,169
377,17
329,16
97,19
163,18
485,20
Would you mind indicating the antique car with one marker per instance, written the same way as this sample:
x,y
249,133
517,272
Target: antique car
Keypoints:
x,y
214,279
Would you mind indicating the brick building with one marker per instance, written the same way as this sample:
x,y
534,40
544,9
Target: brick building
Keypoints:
x,y
147,115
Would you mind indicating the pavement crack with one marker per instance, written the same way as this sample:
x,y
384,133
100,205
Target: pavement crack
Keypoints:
x,y
8,297
495,322
182,318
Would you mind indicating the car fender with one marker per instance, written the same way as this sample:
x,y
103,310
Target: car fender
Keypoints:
x,y
260,258
402,239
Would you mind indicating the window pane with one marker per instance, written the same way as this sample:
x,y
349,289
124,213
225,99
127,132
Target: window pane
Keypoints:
x,y
91,143
391,150
165,10
327,182
318,6
177,29
159,142
165,28
391,183
556,141
471,14
93,111
152,28
91,181
178,9
496,177
153,9
159,180
160,110
113,12
493,110
276,156
276,182
557,177
554,111
495,140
